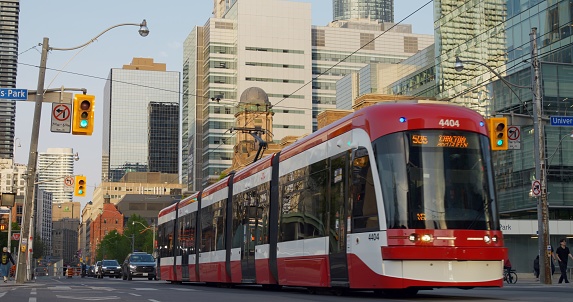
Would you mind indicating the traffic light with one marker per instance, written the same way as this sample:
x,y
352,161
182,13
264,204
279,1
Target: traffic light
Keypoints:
x,y
80,186
83,119
498,133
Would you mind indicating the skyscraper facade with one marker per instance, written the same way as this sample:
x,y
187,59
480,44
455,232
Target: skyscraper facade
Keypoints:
x,y
141,114
9,18
379,10
53,166
295,63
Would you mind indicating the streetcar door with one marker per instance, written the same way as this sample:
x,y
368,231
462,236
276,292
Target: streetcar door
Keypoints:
x,y
248,216
183,248
338,212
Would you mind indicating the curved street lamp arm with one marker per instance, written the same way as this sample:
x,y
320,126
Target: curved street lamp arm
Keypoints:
x,y
143,31
459,67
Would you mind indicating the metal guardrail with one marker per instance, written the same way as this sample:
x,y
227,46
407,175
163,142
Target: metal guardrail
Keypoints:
x,y
57,272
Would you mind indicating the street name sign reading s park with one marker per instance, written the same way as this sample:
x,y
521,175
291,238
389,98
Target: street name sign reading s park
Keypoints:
x,y
561,120
13,94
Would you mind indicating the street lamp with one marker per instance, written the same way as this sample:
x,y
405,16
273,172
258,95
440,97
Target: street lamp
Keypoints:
x,y
152,226
33,156
544,247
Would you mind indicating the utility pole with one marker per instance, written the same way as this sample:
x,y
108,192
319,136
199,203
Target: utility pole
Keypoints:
x,y
28,209
544,247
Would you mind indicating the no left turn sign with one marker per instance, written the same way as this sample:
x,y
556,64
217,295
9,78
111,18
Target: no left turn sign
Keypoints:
x,y
536,188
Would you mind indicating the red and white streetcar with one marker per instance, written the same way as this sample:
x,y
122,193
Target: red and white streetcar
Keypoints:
x,y
396,197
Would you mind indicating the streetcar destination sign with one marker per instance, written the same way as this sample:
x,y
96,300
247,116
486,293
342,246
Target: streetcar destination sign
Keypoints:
x,y
13,94
561,120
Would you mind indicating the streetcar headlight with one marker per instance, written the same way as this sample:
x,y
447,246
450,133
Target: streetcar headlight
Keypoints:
x,y
413,237
426,238
487,239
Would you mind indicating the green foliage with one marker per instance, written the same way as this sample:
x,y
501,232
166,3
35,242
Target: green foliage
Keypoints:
x,y
113,246
136,234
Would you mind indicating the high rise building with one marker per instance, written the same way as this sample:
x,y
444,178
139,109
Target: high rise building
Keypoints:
x,y
43,218
272,45
141,118
9,12
380,10
264,44
53,166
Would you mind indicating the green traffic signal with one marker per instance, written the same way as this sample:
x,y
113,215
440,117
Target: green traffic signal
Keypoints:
x,y
83,123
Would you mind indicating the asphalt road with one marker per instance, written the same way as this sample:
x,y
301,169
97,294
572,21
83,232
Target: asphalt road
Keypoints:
x,y
50,289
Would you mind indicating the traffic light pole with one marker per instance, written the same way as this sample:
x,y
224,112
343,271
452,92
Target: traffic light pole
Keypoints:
x,y
27,214
544,247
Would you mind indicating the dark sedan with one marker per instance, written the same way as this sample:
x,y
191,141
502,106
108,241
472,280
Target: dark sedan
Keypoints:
x,y
139,265
109,268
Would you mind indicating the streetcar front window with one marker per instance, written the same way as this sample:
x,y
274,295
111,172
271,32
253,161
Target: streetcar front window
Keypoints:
x,y
436,179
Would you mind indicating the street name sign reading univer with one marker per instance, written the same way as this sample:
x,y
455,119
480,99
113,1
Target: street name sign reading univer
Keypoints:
x,y
561,120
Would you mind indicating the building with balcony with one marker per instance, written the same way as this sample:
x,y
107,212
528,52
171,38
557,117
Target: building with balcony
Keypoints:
x,y
53,166
10,12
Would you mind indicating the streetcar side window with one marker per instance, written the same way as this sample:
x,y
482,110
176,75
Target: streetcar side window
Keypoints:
x,y
302,199
364,207
219,214
166,239
207,232
187,232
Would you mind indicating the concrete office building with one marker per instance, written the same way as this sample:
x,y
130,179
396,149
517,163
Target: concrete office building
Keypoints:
x,y
271,45
141,120
10,12
53,166
43,218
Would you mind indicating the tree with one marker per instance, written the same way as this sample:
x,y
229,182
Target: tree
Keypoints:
x,y
114,246
142,233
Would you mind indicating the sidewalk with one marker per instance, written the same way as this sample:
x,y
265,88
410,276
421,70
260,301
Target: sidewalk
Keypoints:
x,y
529,279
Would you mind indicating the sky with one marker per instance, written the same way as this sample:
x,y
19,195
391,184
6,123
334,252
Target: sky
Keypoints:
x,y
70,23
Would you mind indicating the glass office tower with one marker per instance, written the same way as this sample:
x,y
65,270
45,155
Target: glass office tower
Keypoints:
x,y
381,10
137,98
9,12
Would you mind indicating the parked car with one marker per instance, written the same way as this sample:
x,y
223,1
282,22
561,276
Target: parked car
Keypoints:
x,y
139,265
109,268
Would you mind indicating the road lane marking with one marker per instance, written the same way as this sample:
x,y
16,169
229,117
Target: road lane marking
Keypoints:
x,y
32,299
152,300
135,295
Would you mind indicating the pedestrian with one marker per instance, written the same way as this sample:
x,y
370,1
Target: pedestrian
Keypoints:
x,y
562,256
5,264
536,267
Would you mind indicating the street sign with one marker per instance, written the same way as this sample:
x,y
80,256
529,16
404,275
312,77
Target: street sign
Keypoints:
x,y
536,188
61,118
561,120
13,94
69,183
16,236
514,137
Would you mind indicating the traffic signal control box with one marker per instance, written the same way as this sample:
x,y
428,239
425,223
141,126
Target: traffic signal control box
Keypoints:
x,y
83,119
80,186
498,133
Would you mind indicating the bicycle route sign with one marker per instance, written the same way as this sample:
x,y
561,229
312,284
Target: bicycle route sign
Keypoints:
x,y
61,118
